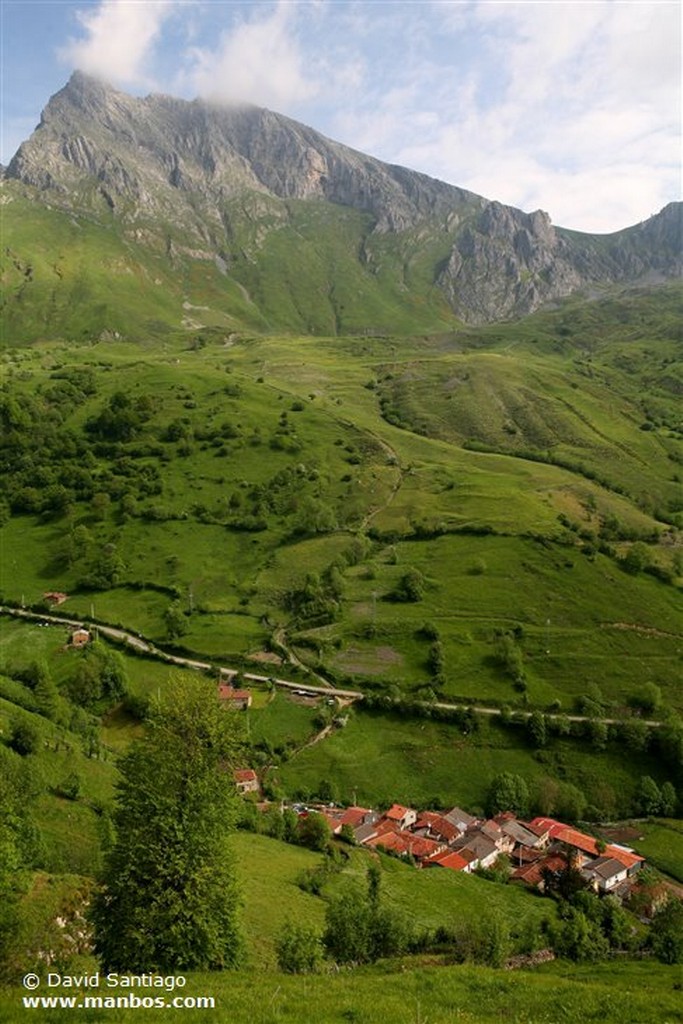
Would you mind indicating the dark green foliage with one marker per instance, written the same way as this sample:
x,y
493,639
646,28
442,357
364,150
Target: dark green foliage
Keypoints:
x,y
70,787
666,935
508,792
648,796
508,655
410,587
21,847
359,928
176,621
536,727
99,679
313,831
169,899
24,737
647,699
577,937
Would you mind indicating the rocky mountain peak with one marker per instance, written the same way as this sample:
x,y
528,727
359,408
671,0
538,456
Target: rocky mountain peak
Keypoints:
x,y
158,161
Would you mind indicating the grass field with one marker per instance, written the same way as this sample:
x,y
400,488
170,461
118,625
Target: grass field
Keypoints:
x,y
379,759
613,993
262,462
662,843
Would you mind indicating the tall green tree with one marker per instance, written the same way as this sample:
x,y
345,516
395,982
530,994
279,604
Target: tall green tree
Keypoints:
x,y
169,899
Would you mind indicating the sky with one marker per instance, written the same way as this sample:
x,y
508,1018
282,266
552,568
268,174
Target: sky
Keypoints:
x,y
569,107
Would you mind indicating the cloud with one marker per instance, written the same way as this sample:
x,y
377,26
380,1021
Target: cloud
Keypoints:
x,y
572,108
260,60
119,40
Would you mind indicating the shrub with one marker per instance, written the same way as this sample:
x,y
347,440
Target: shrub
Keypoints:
x,y
24,737
299,949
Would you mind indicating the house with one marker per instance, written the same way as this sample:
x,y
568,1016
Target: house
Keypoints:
x,y
461,819
534,874
405,844
232,698
246,780
365,832
54,597
403,816
357,816
435,826
483,850
605,874
449,859
520,834
80,637
492,830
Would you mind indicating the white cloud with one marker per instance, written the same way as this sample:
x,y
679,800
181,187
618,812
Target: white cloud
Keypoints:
x,y
119,39
573,108
568,106
259,61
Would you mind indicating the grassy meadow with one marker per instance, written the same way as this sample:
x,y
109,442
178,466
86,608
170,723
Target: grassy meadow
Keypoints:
x,y
257,473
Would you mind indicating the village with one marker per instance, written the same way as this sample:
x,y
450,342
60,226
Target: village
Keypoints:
x,y
536,851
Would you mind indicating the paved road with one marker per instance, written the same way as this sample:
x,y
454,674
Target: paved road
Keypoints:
x,y
145,647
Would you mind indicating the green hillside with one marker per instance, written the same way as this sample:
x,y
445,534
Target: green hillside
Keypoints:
x,y
314,472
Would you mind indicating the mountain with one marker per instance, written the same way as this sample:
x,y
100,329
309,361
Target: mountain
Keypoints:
x,y
265,201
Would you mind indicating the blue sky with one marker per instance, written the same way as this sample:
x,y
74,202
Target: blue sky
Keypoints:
x,y
573,108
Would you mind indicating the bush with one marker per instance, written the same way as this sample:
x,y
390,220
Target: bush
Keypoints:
x,y
24,737
299,949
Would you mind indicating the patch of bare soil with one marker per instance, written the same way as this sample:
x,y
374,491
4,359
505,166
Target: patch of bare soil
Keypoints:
x,y
370,662
621,834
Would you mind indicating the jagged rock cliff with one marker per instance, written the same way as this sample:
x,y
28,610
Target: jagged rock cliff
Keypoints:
x,y
175,175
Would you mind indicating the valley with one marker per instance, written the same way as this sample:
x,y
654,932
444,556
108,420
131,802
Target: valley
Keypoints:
x,y
400,467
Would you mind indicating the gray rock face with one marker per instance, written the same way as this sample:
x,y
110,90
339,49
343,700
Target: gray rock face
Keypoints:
x,y
160,161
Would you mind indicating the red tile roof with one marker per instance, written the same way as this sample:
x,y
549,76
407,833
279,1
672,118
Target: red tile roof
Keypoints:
x,y
532,874
227,693
625,857
406,843
587,844
448,859
354,816
245,775
549,825
579,840
438,824
396,812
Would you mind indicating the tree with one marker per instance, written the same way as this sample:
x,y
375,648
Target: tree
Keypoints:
x,y
359,928
648,796
410,587
668,800
176,622
508,792
537,729
636,558
47,697
24,737
169,900
313,831
666,935
597,734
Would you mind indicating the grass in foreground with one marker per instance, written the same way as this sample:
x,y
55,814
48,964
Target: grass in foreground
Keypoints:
x,y
645,992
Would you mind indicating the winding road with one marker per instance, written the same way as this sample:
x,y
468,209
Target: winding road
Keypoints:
x,y
142,646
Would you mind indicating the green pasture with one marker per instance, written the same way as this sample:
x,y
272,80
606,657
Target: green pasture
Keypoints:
x,y
661,842
377,759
